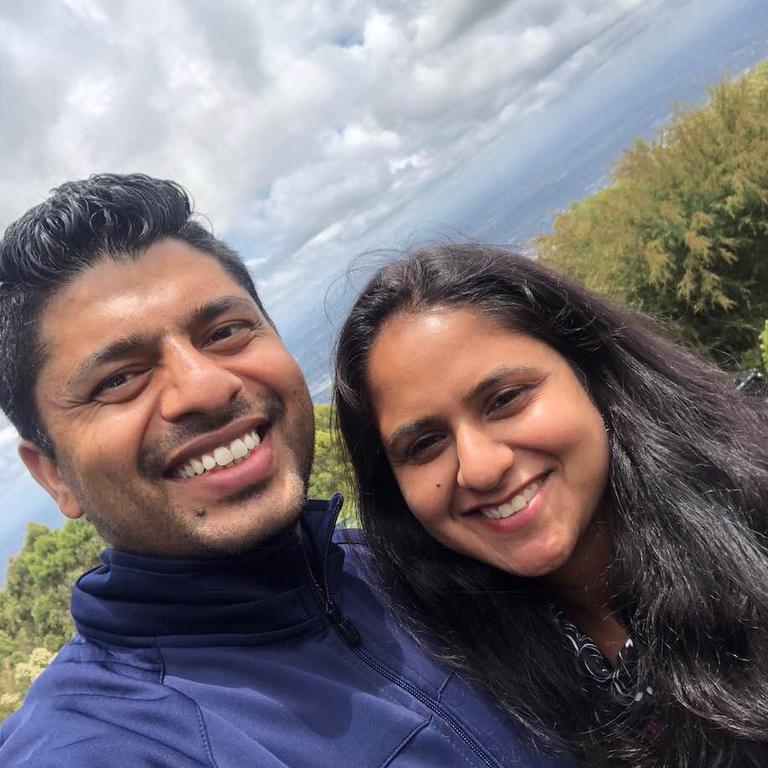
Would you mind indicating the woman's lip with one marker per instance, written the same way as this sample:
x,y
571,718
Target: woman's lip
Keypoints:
x,y
519,519
233,478
540,478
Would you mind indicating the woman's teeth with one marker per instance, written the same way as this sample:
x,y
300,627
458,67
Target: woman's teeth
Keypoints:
x,y
222,456
515,504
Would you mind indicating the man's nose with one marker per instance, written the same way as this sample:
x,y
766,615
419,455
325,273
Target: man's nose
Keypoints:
x,y
483,460
195,383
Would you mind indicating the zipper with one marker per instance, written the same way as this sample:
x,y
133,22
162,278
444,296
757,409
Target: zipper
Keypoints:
x,y
351,637
322,595
430,703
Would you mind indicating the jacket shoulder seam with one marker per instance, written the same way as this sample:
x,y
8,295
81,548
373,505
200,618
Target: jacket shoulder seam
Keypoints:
x,y
200,717
398,750
204,734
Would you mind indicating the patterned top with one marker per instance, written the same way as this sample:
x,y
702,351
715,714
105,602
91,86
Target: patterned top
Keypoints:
x,y
619,680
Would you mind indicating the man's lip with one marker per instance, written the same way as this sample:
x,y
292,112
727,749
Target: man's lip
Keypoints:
x,y
211,440
509,496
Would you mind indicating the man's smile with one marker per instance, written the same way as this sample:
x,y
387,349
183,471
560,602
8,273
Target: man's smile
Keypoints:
x,y
233,476
221,456
218,450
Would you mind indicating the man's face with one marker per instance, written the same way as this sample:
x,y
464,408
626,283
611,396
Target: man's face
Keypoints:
x,y
181,424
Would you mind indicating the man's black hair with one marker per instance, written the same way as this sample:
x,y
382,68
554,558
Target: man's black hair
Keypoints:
x,y
78,225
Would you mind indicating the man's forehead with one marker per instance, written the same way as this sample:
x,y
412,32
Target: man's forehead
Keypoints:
x,y
160,290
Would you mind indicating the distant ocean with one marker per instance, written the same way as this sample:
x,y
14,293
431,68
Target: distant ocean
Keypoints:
x,y
514,187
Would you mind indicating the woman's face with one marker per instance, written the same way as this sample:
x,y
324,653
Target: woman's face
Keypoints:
x,y
494,442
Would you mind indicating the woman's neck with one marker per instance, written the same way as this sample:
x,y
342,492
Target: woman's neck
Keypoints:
x,y
582,593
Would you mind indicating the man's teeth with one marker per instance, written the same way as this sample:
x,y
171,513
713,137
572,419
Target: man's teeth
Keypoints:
x,y
515,504
222,456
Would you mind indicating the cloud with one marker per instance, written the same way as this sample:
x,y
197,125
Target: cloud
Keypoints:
x,y
8,435
291,122
11,468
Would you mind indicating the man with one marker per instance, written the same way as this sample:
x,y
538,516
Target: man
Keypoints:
x,y
225,628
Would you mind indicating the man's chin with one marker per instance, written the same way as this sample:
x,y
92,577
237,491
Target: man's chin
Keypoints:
x,y
264,515
248,493
223,545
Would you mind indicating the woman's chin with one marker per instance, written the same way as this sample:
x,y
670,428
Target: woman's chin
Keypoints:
x,y
540,564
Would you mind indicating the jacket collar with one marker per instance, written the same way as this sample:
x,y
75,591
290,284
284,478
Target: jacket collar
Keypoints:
x,y
265,595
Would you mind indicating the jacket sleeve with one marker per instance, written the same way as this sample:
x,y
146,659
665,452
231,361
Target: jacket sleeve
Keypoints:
x,y
163,730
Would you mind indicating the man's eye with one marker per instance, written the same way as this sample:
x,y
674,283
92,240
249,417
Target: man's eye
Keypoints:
x,y
114,381
230,331
507,397
120,386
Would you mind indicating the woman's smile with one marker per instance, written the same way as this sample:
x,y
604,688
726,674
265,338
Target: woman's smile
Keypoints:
x,y
516,511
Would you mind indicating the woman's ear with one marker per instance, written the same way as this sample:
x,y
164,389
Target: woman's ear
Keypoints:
x,y
46,471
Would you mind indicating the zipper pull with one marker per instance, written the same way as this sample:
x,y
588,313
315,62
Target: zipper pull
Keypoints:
x,y
343,625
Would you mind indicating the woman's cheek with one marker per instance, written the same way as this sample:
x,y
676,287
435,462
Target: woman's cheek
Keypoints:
x,y
424,492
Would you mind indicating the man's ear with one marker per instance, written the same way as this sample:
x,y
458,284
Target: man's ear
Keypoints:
x,y
46,471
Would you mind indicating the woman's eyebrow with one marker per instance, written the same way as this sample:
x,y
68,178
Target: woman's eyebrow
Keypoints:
x,y
406,430
496,377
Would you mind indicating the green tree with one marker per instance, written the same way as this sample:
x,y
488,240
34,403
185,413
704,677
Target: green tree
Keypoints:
x,y
682,232
329,471
15,679
34,607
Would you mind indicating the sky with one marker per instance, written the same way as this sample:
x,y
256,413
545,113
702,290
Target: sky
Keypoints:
x,y
309,132
294,123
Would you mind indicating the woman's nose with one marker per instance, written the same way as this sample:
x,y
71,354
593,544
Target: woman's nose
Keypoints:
x,y
483,460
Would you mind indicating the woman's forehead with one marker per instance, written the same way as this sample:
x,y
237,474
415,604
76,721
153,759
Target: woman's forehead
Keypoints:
x,y
418,361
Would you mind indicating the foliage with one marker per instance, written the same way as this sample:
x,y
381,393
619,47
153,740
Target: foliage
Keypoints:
x,y
16,678
682,232
329,471
34,607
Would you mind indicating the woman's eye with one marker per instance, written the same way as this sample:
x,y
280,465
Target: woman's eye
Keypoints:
x,y
424,448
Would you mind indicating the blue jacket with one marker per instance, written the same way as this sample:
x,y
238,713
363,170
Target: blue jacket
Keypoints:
x,y
283,657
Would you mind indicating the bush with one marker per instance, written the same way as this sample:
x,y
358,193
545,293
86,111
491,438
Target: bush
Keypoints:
x,y
682,232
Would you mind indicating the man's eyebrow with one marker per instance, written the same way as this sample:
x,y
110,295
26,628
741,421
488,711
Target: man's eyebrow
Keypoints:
x,y
114,351
214,308
130,344
492,379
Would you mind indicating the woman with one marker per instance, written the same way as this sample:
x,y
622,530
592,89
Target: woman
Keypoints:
x,y
575,506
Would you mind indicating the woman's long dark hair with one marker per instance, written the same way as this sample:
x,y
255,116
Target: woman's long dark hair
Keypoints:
x,y
687,505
